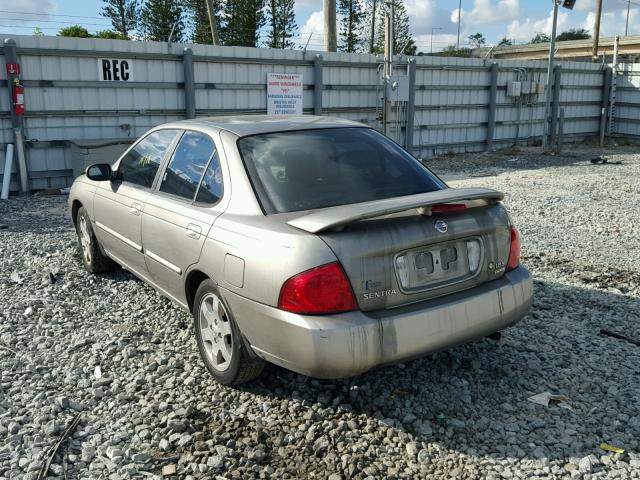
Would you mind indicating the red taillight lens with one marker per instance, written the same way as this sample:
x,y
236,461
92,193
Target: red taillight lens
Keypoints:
x,y
514,253
323,289
448,208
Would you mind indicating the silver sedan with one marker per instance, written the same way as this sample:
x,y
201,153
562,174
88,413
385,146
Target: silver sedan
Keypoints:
x,y
314,243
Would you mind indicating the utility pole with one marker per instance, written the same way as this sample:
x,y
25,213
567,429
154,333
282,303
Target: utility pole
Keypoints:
x,y
626,28
596,31
552,52
373,26
388,66
459,20
212,23
330,39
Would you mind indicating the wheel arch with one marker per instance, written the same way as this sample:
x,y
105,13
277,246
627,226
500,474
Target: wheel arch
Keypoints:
x,y
75,206
194,279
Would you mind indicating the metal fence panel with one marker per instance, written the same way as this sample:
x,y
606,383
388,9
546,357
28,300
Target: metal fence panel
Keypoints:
x,y
67,104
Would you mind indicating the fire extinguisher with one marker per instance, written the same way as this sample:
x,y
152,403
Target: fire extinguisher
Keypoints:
x,y
18,98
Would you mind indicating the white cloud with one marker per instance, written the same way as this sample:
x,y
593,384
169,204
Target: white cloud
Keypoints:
x,y
588,5
31,11
425,15
486,12
613,23
309,3
440,41
312,32
527,29
314,24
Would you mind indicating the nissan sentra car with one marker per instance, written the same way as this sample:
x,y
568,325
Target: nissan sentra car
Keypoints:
x,y
314,243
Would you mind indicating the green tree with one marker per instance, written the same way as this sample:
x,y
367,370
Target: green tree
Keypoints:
x,y
477,40
199,19
541,38
371,17
158,18
505,42
403,41
37,32
243,21
574,34
74,31
453,51
281,21
351,25
111,35
123,15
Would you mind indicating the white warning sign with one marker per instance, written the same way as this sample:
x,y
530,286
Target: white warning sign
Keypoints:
x,y
284,93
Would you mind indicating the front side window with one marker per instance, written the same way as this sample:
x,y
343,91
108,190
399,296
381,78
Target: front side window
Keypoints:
x,y
140,165
308,169
188,164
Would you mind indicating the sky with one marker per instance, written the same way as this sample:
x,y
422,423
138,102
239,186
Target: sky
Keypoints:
x,y
518,20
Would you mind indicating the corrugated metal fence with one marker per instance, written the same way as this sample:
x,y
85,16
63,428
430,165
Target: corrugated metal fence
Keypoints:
x,y
626,108
71,113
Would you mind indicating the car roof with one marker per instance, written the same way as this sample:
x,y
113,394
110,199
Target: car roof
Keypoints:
x,y
243,125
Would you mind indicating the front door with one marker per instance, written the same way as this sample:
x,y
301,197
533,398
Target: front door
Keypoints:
x,y
179,213
118,205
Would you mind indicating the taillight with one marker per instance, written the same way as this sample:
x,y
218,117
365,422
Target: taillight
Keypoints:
x,y
324,289
514,252
448,208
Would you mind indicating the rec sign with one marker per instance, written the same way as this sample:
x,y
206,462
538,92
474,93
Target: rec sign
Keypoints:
x,y
114,70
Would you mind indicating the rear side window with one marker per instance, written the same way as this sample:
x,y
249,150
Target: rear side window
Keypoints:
x,y
210,190
308,169
140,165
188,165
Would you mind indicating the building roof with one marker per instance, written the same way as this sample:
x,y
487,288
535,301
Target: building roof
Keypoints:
x,y
628,45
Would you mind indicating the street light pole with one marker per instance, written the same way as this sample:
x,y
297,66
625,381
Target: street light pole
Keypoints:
x,y
330,37
626,28
212,23
459,20
432,30
596,31
552,51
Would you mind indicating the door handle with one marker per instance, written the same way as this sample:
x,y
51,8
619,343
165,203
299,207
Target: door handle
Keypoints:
x,y
193,231
135,209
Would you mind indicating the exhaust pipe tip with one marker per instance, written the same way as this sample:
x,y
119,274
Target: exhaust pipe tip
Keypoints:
x,y
495,336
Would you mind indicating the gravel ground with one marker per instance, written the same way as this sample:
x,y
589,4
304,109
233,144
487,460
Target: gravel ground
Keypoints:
x,y
462,413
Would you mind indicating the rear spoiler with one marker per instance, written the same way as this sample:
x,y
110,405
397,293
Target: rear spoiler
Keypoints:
x,y
335,217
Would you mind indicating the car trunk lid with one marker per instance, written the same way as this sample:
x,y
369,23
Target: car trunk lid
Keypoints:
x,y
398,251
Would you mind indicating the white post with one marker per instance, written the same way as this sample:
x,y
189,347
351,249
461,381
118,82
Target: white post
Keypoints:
x,y
22,162
552,48
6,178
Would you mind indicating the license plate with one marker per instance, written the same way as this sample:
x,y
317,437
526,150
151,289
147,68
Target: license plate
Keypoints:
x,y
436,265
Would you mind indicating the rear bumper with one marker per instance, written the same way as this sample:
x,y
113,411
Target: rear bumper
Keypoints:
x,y
342,345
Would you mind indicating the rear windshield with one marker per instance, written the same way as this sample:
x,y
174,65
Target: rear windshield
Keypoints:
x,y
309,169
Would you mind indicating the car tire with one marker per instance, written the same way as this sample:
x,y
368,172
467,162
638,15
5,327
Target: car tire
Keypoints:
x,y
222,348
93,259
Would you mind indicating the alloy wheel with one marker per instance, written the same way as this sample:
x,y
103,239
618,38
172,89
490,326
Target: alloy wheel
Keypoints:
x,y
85,239
215,330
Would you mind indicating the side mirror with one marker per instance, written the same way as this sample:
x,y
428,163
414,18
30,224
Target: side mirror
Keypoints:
x,y
99,172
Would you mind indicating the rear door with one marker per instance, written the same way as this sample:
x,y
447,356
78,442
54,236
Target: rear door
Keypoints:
x,y
180,211
118,205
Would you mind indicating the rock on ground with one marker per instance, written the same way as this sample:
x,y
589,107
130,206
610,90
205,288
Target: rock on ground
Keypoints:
x,y
461,413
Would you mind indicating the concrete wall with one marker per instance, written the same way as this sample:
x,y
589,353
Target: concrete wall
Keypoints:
x,y
70,112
